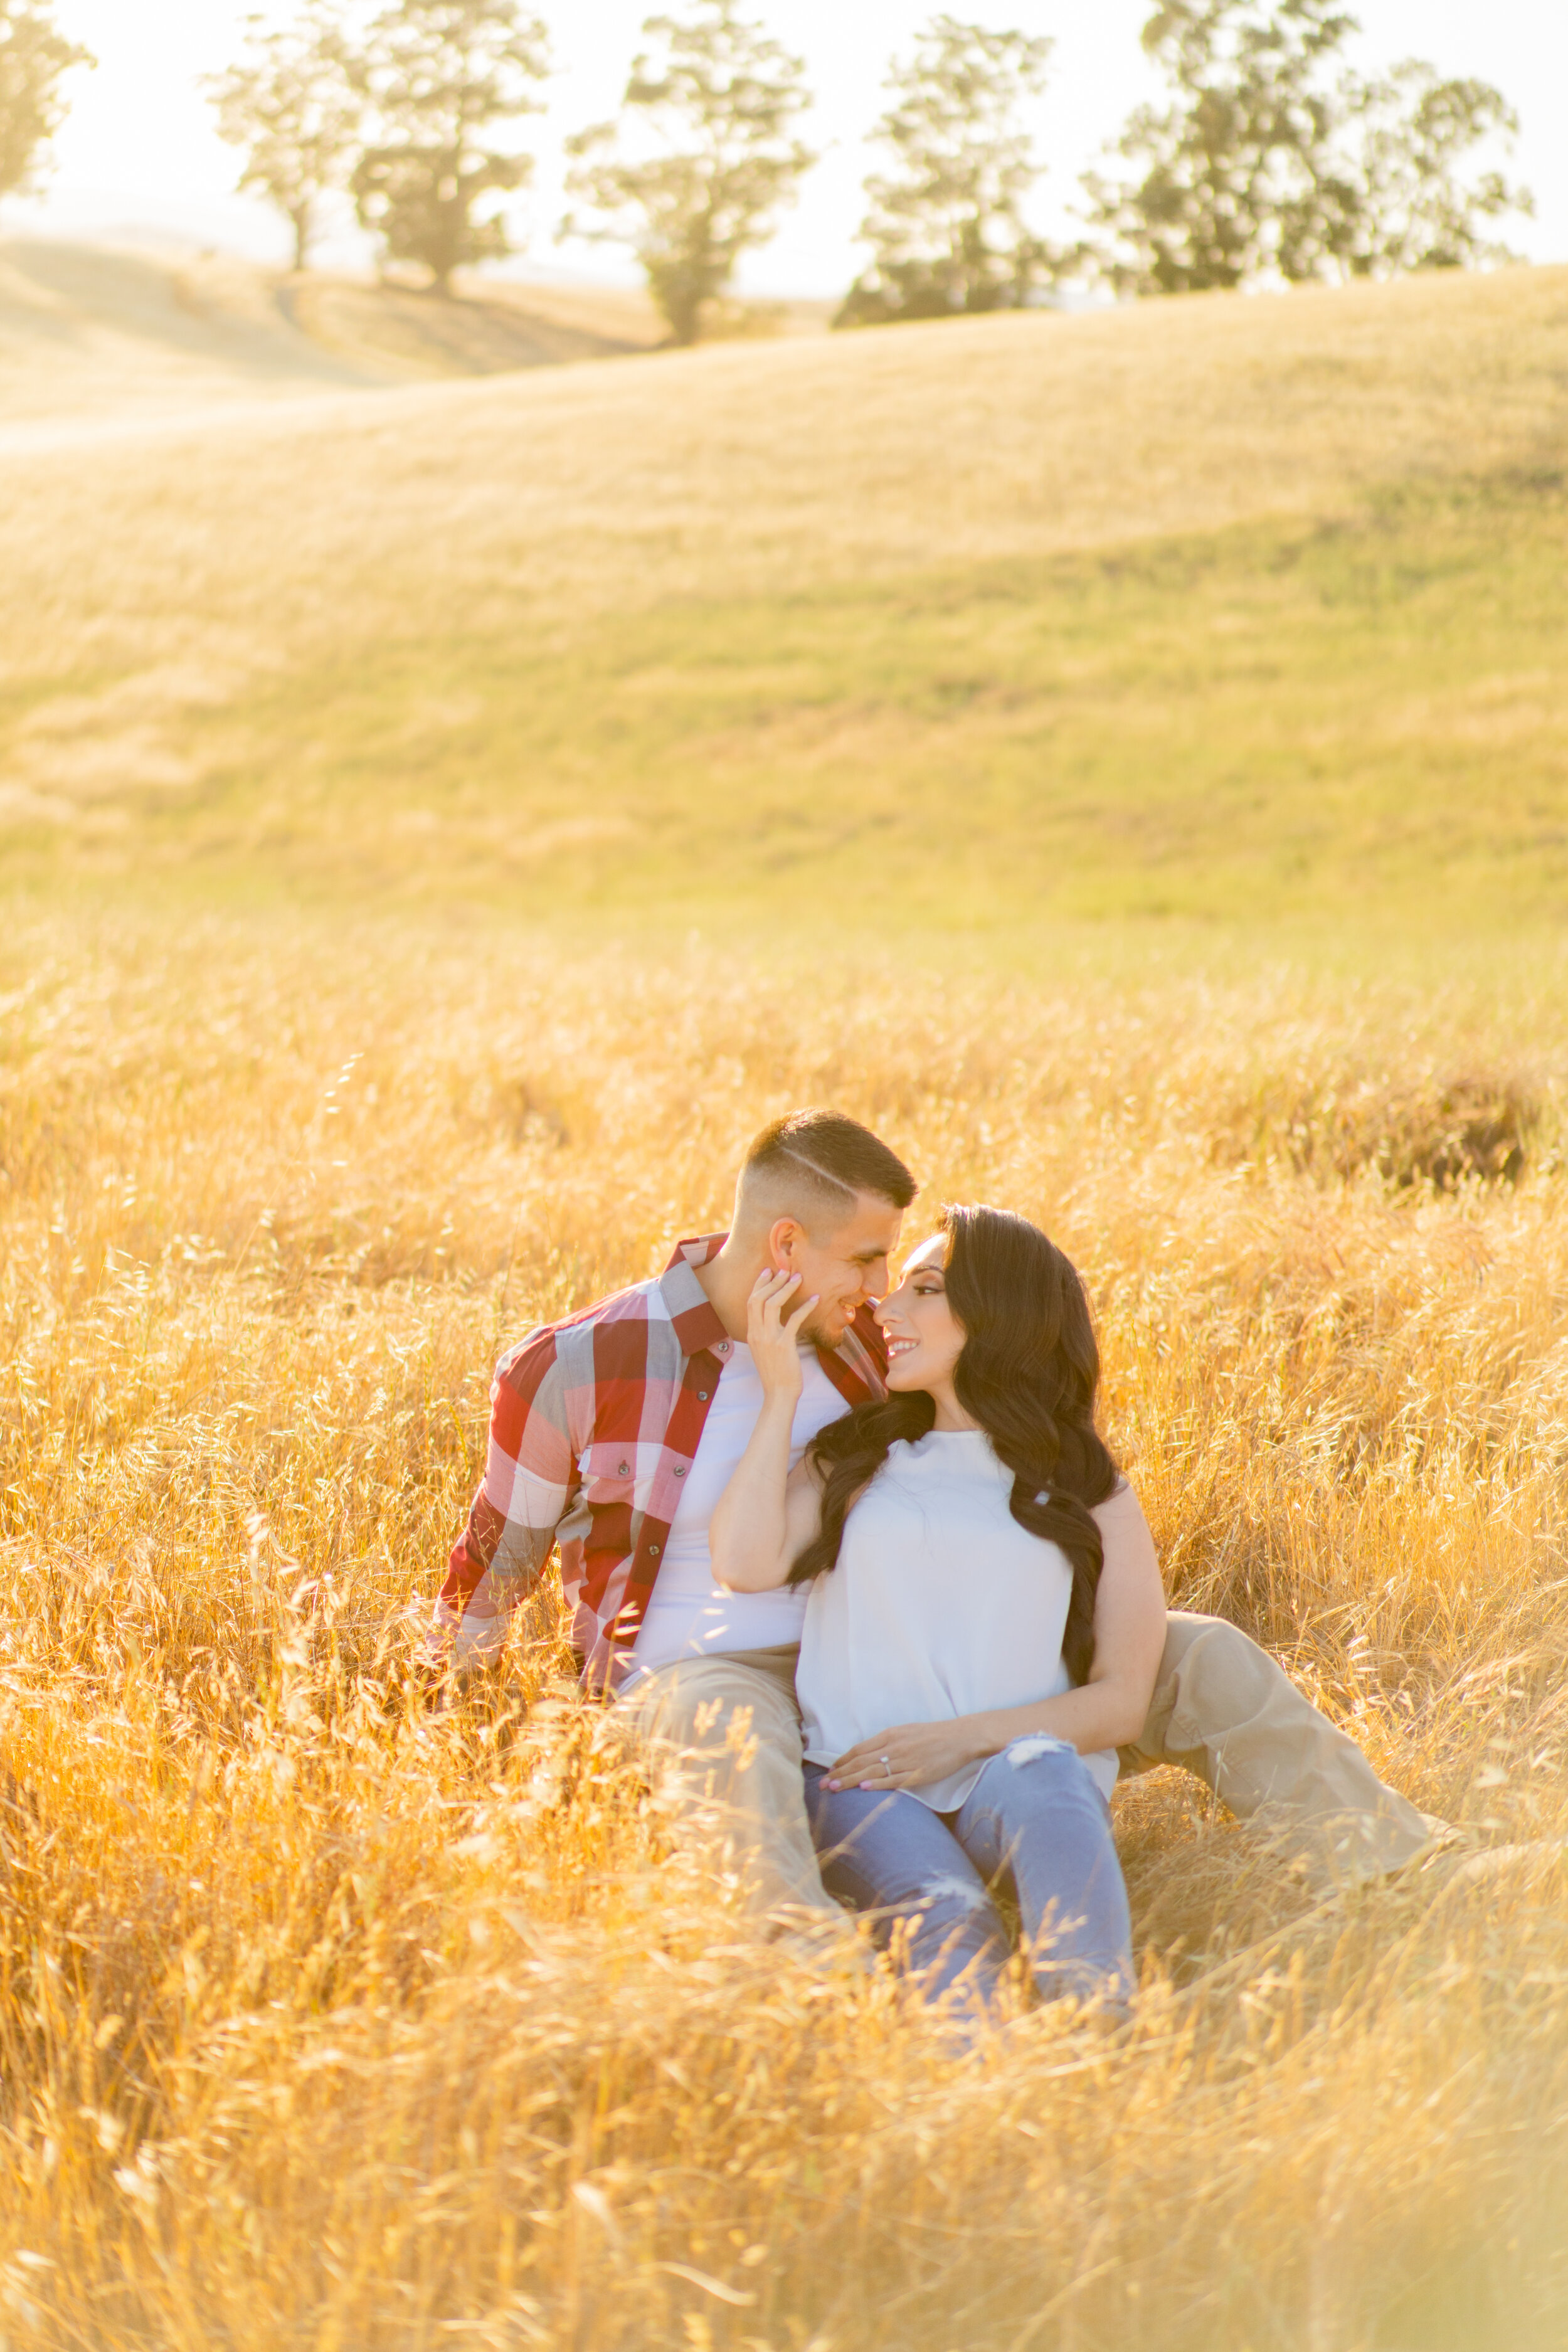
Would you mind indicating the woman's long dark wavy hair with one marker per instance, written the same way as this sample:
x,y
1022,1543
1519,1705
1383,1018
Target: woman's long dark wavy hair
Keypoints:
x,y
1028,1373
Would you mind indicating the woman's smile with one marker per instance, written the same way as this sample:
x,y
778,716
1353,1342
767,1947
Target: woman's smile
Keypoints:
x,y
917,1320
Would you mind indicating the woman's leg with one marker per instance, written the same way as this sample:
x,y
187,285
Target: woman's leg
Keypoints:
x,y
893,1857
1036,1811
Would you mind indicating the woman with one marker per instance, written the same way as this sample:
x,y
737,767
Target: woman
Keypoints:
x,y
967,1672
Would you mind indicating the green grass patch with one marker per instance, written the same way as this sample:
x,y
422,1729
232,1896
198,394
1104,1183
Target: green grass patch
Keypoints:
x,y
1361,721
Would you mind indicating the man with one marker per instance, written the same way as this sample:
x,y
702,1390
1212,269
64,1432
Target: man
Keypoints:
x,y
615,1432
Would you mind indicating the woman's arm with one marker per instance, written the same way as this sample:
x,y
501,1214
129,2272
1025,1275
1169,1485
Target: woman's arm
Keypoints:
x,y
1106,1711
766,1516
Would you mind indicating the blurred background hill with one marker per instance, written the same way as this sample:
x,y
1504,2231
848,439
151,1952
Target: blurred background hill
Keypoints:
x,y
1213,608
94,329
1030,596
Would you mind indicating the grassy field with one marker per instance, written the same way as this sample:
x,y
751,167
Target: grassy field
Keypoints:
x,y
1122,758
1249,610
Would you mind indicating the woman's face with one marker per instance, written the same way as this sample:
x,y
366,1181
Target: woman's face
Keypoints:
x,y
924,1337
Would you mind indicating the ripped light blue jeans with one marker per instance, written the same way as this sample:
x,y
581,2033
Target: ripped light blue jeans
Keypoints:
x,y
1035,1819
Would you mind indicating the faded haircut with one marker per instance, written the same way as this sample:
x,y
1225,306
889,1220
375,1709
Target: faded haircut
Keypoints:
x,y
813,1164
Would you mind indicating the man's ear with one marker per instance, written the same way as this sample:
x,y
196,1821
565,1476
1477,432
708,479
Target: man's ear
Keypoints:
x,y
785,1235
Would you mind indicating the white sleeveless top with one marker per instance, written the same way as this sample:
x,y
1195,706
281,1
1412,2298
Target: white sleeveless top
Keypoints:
x,y
941,1605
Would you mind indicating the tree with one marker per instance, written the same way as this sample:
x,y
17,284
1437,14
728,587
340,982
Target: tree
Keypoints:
x,y
290,102
35,57
947,227
442,75
1229,168
714,107
1274,158
1413,209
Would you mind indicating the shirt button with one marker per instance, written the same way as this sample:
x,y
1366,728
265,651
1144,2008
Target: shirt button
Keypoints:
x,y
623,1469
653,1551
701,1396
681,1469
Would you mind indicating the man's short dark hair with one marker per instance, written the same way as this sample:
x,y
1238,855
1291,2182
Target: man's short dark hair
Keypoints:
x,y
829,1154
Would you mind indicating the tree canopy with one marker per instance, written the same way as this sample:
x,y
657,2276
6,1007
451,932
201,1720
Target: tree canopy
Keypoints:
x,y
290,102
1274,158
34,58
1415,209
702,158
946,226
443,78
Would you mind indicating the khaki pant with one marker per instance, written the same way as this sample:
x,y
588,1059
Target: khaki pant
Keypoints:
x,y
723,1735
1226,1711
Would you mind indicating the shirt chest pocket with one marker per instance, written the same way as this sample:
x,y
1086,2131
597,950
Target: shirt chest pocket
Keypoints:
x,y
615,1470
646,1478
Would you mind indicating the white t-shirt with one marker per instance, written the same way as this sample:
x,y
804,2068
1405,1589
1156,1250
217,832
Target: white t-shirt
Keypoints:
x,y
941,1605
688,1616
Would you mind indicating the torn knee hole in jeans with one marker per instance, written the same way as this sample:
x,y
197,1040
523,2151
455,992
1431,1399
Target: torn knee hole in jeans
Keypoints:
x,y
1038,1744
954,1890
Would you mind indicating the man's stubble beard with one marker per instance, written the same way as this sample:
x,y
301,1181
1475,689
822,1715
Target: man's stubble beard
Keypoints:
x,y
820,1337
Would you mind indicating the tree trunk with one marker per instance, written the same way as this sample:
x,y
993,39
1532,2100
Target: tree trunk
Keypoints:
x,y
300,216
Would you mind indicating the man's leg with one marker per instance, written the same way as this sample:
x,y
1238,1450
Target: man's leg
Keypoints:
x,y
721,1736
1224,1710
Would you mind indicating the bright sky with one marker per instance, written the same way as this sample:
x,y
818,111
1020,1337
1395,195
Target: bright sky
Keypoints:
x,y
139,150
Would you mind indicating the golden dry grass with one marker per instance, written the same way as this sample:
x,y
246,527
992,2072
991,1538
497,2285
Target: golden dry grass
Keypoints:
x,y
328,2022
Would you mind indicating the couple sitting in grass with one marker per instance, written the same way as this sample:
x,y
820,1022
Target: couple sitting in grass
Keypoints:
x,y
859,1577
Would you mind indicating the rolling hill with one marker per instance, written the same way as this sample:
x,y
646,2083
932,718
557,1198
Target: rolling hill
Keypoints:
x,y
101,332
1216,606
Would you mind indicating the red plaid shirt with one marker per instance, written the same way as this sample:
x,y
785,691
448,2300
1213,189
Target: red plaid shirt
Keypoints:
x,y
594,1423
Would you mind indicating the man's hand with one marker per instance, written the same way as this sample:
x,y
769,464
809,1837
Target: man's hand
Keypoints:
x,y
772,1335
911,1754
